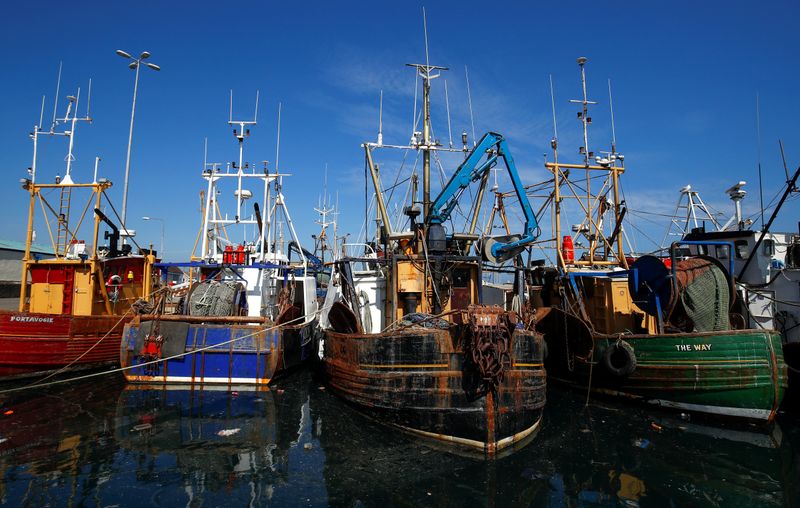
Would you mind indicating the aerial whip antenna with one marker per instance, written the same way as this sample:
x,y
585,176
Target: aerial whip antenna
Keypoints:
x,y
414,118
380,121
447,103
278,144
425,29
41,114
255,115
613,131
758,141
205,153
58,90
783,157
89,98
553,106
469,99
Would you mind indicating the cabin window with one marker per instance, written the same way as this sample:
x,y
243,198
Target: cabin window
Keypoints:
x,y
741,249
461,277
769,247
722,252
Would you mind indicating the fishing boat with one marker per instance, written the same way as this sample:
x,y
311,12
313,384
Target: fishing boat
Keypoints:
x,y
767,263
247,313
73,306
648,330
407,339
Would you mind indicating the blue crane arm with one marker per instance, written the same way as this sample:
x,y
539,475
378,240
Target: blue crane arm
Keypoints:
x,y
493,146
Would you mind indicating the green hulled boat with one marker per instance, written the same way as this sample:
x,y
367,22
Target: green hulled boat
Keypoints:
x,y
657,330
735,373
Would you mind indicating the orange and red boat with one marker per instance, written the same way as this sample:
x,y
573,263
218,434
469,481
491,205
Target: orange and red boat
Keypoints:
x,y
73,306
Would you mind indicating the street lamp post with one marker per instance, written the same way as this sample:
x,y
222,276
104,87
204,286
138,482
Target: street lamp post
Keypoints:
x,y
162,232
135,64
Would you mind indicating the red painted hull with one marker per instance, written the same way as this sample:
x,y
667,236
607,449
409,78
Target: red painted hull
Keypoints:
x,y
35,344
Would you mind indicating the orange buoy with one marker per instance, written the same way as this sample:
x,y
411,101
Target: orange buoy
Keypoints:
x,y
567,249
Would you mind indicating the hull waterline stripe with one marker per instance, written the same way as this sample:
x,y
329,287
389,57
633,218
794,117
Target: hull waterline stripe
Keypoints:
x,y
406,366
198,380
472,443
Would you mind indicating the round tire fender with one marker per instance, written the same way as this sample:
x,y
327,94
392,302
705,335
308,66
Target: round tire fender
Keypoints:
x,y
619,359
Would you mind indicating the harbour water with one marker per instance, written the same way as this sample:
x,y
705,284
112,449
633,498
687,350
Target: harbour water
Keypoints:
x,y
100,443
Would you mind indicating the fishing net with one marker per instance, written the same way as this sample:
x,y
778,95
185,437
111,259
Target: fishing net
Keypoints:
x,y
704,294
215,298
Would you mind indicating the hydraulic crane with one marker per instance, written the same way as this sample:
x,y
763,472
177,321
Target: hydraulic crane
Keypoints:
x,y
476,166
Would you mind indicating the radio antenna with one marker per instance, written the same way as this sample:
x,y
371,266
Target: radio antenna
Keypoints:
x,y
89,98
278,144
41,114
613,131
447,103
758,141
255,115
425,29
414,117
55,101
205,153
469,99
553,106
783,157
380,120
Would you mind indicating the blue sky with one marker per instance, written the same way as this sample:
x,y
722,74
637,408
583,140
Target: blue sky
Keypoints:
x,y
685,77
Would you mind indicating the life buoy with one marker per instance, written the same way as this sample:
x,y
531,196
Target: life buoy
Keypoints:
x,y
114,280
619,359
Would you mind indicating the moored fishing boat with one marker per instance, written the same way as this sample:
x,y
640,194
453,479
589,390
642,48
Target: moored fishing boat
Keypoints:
x,y
248,313
407,339
72,315
645,331
767,264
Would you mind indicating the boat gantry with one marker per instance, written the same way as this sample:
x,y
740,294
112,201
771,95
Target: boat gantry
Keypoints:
x,y
245,312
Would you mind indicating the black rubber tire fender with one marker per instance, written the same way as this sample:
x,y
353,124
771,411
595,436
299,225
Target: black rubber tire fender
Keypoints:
x,y
619,359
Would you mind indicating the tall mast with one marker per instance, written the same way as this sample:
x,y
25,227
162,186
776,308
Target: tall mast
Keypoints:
x,y
592,227
585,119
425,71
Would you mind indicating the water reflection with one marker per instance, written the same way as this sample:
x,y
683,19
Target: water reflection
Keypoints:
x,y
103,444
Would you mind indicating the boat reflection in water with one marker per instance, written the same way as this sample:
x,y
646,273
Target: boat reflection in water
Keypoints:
x,y
99,443
57,445
219,441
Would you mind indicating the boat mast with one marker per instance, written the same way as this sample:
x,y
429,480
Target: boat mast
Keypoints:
x,y
426,72
585,119
591,228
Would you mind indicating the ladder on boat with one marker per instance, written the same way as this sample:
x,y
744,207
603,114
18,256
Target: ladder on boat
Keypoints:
x,y
62,235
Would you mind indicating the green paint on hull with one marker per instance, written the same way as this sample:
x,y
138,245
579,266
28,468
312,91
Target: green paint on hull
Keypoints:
x,y
735,373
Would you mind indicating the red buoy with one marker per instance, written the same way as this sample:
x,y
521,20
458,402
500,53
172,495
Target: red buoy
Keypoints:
x,y
567,249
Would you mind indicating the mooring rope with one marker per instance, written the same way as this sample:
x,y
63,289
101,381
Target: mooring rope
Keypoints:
x,y
153,362
101,339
